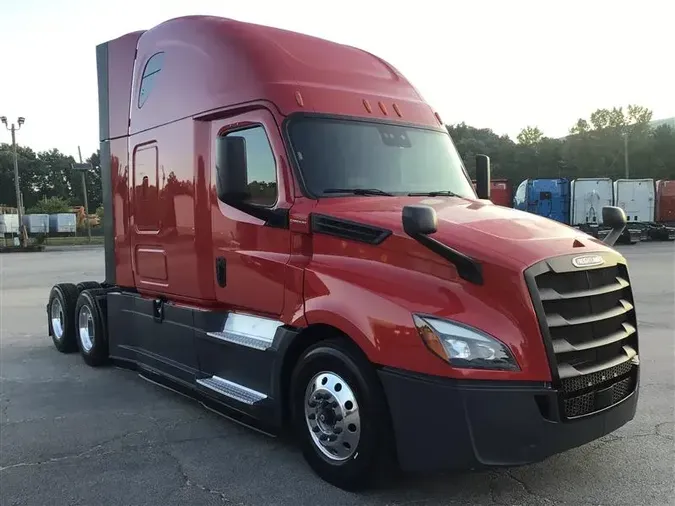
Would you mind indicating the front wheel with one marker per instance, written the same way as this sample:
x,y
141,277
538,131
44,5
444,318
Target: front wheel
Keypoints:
x,y
340,416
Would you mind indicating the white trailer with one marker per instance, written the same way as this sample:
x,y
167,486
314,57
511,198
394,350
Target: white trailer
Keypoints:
x,y
588,196
36,223
636,198
9,224
62,223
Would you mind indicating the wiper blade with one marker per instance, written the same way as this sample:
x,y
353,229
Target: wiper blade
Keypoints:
x,y
359,191
440,193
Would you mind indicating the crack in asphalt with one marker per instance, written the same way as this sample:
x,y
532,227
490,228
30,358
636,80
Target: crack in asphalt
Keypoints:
x,y
66,417
93,451
187,482
85,453
528,490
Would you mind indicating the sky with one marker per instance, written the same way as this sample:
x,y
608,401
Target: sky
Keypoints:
x,y
499,64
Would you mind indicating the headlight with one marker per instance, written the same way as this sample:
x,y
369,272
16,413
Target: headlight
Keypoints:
x,y
463,346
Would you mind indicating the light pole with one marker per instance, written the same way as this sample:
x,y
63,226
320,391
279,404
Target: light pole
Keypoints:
x,y
83,167
13,129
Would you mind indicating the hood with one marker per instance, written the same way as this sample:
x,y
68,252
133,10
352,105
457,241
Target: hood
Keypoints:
x,y
476,228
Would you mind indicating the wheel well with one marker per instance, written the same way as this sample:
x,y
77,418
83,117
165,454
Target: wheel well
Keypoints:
x,y
306,338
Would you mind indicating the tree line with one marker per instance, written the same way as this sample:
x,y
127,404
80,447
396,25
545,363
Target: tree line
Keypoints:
x,y
47,181
595,147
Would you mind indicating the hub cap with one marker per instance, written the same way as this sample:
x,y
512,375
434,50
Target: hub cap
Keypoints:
x,y
56,315
86,328
332,416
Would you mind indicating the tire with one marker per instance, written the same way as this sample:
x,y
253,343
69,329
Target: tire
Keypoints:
x,y
61,316
368,452
91,326
88,285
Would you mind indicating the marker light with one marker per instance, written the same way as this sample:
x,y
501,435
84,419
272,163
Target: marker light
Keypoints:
x,y
463,346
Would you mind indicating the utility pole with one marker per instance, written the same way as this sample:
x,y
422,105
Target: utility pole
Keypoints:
x,y
19,203
625,154
83,167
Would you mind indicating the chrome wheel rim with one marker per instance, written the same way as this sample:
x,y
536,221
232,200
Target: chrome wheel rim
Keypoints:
x,y
332,416
56,316
86,328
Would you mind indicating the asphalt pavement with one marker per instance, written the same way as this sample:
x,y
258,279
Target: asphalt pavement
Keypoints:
x,y
74,435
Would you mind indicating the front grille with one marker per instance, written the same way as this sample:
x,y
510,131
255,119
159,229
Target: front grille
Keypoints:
x,y
588,403
588,321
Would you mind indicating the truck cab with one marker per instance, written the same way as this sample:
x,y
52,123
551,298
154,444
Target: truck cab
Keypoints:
x,y
545,197
292,238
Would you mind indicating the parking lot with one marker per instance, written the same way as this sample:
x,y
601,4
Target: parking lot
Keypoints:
x,y
73,435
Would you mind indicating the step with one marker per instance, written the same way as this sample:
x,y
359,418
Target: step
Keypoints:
x,y
247,330
232,390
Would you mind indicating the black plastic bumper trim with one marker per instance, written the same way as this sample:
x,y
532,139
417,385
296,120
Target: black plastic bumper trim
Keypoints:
x,y
445,424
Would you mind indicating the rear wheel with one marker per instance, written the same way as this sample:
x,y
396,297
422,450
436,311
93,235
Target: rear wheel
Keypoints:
x,y
340,416
92,329
61,314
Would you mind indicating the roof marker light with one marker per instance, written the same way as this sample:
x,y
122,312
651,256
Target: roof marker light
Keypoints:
x,y
397,110
366,104
383,108
438,117
298,99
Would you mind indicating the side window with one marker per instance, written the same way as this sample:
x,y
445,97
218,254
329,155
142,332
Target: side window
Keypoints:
x,y
254,169
150,74
146,187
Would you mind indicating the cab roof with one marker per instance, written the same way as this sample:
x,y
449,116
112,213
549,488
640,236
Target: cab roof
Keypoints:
x,y
196,65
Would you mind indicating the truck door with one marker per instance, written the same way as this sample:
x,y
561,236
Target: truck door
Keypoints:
x,y
251,238
251,248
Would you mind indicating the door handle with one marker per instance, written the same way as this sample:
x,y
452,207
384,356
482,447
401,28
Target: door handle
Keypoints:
x,y
220,271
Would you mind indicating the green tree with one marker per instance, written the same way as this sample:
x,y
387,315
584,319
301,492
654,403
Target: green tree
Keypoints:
x,y
51,205
530,135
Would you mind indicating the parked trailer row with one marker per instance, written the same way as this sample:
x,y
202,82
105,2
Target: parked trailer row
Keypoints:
x,y
39,224
649,206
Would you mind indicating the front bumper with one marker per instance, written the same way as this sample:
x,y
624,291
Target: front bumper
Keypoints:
x,y
443,424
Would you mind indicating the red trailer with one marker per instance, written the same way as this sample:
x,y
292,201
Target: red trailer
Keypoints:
x,y
501,192
665,201
292,238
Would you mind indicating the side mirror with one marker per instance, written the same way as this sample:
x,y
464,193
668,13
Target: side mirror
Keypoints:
x,y
231,169
614,217
419,220
483,176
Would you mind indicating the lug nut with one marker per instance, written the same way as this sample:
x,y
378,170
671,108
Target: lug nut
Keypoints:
x,y
311,416
332,437
311,404
323,437
334,404
316,429
338,417
337,430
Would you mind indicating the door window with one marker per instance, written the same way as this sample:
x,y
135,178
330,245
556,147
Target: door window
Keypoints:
x,y
261,170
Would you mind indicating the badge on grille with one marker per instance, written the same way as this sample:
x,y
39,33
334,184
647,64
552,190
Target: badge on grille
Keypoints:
x,y
588,261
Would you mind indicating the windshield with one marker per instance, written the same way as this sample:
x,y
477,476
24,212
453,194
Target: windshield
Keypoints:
x,y
336,155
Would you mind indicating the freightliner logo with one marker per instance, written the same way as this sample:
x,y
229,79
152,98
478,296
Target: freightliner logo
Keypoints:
x,y
588,261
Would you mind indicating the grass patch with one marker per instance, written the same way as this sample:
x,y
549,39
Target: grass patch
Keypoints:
x,y
72,241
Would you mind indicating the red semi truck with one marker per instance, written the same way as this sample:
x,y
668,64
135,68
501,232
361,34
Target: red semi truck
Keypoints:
x,y
292,239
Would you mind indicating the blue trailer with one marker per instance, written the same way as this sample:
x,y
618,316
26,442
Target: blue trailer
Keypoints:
x,y
545,197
